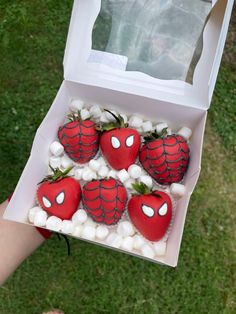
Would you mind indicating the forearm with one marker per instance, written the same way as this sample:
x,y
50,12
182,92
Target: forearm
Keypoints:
x,y
17,241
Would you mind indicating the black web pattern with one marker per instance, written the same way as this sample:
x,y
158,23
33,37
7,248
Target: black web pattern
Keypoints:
x,y
168,174
117,212
80,151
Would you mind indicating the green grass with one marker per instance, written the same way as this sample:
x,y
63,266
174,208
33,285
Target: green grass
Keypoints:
x,y
94,279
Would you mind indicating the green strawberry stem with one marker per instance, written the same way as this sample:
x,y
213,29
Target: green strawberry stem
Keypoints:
x,y
119,123
57,175
141,188
152,136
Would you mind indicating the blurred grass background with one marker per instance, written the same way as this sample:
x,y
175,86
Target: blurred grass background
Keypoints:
x,y
94,279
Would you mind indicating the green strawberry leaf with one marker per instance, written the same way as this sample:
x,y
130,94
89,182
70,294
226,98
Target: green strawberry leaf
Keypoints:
x,y
152,136
141,188
57,175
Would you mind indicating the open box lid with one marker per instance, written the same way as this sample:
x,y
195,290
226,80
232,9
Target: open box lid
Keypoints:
x,y
85,65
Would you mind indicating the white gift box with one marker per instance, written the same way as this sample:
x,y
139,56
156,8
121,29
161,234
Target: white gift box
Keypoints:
x,y
176,102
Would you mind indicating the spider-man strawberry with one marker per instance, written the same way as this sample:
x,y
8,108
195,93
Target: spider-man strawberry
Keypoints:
x,y
150,212
59,195
119,143
165,158
79,138
105,200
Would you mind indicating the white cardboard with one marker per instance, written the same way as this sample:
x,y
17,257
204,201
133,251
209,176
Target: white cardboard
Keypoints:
x,y
78,47
36,168
133,92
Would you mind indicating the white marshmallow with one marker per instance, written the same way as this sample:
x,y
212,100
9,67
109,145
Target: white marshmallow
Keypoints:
x,y
135,122
85,168
147,126
56,148
110,116
129,184
91,222
76,105
146,180
87,174
32,213
127,244
77,232
114,240
112,174
95,111
102,232
55,162
134,171
185,132
95,176
123,175
54,223
66,162
124,117
140,130
78,173
177,189
79,217
84,114
89,232
160,248
103,117
103,171
40,218
161,126
94,165
102,161
67,226
138,242
125,229
147,251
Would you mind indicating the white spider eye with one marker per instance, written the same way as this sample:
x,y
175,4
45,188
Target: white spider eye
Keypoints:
x,y
115,142
130,140
46,202
148,211
60,198
163,210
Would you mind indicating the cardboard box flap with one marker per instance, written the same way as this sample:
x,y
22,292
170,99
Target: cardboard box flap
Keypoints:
x,y
101,68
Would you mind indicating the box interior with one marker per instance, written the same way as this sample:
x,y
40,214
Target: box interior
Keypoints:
x,y
36,168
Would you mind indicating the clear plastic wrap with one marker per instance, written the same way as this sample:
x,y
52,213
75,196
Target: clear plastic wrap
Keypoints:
x,y
162,38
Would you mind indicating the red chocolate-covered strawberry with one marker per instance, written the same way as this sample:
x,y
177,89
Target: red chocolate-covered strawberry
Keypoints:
x,y
79,138
150,212
105,200
119,143
59,195
165,158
